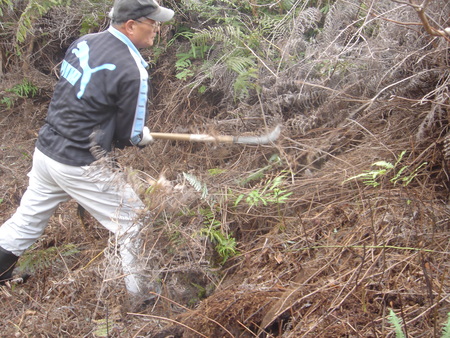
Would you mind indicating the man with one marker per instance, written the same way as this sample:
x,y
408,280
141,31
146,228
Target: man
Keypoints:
x,y
100,102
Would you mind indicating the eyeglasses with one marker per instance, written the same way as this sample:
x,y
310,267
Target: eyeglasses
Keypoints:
x,y
155,24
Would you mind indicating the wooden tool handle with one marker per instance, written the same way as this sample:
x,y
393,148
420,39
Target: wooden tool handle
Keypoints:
x,y
193,137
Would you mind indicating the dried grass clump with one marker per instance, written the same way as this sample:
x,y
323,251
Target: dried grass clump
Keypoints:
x,y
338,256
334,265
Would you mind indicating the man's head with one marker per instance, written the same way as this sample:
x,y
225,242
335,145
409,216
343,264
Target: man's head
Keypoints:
x,y
139,19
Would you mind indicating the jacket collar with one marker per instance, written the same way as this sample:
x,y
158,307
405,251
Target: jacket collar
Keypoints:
x,y
122,37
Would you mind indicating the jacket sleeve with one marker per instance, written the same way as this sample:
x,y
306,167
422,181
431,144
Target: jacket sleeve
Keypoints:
x,y
131,112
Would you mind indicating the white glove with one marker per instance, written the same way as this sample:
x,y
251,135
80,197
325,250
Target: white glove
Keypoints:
x,y
146,137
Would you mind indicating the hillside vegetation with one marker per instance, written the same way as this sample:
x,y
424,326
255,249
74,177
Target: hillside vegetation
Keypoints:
x,y
340,228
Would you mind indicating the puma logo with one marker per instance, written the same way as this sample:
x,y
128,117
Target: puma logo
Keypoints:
x,y
82,52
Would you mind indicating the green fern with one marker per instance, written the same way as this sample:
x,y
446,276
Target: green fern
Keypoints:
x,y
244,82
371,177
197,184
270,193
239,34
104,327
268,24
237,58
239,64
184,64
274,160
213,10
396,323
230,35
5,4
34,260
287,4
446,329
24,89
35,9
7,101
225,245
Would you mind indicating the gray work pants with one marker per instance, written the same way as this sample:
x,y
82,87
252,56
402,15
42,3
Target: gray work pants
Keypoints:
x,y
96,188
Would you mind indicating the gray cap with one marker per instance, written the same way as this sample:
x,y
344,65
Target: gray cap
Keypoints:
x,y
125,10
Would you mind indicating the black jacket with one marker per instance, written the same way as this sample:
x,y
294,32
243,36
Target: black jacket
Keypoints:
x,y
99,101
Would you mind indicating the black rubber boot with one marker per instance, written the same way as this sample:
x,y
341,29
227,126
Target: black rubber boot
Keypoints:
x,y
7,262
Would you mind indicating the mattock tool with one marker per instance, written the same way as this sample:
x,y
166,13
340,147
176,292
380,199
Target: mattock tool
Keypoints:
x,y
253,140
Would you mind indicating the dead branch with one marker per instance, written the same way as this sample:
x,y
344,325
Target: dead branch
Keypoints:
x,y
420,9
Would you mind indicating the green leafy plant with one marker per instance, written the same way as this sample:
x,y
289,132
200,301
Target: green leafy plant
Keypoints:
x,y
225,245
243,37
197,184
259,174
216,171
383,169
24,28
201,294
370,177
5,4
184,62
104,327
237,57
24,89
229,45
89,24
446,328
7,101
212,229
34,10
271,193
396,323
34,260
